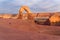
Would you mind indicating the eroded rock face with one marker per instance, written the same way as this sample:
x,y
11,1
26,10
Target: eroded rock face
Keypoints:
x,y
21,10
55,19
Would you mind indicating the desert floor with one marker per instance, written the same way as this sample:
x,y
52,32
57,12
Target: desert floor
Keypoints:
x,y
16,29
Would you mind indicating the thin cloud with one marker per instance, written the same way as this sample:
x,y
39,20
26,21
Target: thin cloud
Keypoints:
x,y
25,2
35,5
2,0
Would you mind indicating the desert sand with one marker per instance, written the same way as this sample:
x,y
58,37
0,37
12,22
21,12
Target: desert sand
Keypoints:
x,y
17,29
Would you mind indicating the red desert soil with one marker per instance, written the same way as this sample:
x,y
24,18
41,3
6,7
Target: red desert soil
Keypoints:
x,y
16,29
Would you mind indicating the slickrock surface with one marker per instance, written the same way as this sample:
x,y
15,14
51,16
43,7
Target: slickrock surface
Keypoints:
x,y
16,29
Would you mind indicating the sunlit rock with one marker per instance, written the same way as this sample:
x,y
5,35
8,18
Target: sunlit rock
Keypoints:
x,y
55,19
28,12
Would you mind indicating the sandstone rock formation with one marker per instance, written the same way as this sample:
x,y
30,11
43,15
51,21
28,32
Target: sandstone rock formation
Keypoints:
x,y
5,15
54,19
21,10
29,15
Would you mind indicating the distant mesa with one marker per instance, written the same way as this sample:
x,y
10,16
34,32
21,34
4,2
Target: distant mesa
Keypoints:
x,y
5,15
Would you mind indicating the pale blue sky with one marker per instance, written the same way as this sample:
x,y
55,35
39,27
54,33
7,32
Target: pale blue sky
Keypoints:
x,y
12,6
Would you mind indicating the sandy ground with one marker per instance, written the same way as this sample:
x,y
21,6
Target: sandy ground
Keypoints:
x,y
16,29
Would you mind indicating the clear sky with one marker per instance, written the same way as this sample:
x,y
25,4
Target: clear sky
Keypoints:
x,y
12,6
